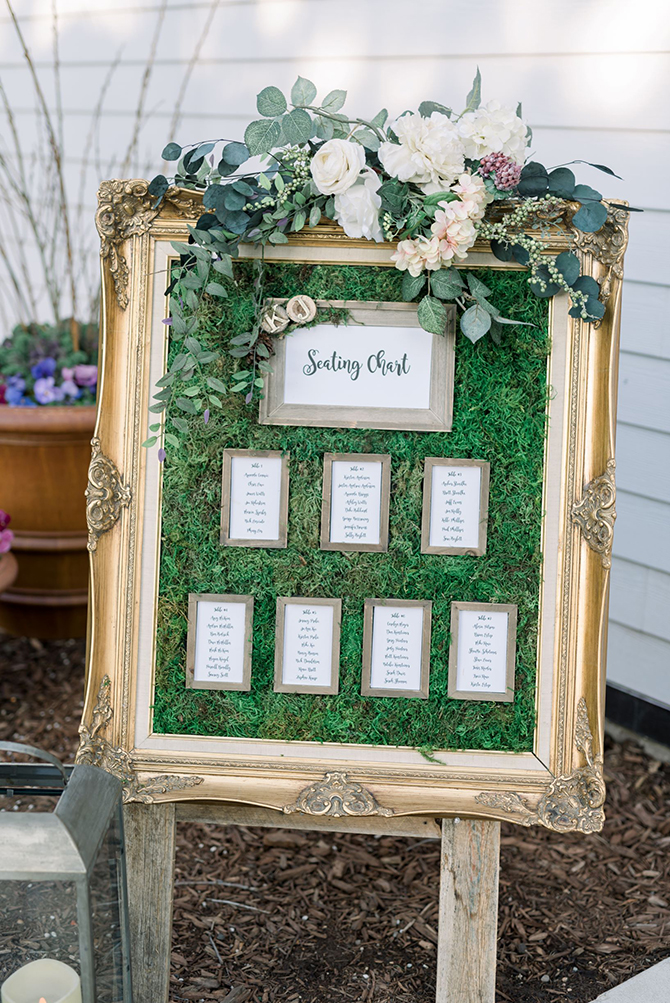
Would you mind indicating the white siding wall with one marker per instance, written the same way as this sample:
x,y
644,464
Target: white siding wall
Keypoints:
x,y
594,77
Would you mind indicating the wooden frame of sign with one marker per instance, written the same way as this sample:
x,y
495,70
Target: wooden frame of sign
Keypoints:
x,y
384,460
191,644
546,784
229,457
430,463
367,688
280,686
502,694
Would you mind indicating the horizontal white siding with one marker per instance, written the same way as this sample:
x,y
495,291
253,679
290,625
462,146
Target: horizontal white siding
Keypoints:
x,y
593,79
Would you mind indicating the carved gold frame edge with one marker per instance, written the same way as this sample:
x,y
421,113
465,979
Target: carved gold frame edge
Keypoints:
x,y
569,799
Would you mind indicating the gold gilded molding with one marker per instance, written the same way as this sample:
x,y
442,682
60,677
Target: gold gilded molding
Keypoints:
x,y
573,802
595,513
125,209
95,750
336,796
608,246
106,494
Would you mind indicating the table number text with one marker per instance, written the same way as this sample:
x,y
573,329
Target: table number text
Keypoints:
x,y
307,645
254,498
455,506
355,507
483,645
219,642
396,648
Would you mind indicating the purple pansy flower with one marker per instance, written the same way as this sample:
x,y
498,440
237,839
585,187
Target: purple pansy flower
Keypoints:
x,y
86,376
46,392
14,391
6,535
70,388
67,374
43,368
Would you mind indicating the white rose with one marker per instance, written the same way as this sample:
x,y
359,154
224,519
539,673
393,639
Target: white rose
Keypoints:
x,y
357,209
493,128
430,150
336,166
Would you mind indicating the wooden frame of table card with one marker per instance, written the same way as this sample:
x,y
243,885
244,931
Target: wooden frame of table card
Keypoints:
x,y
558,783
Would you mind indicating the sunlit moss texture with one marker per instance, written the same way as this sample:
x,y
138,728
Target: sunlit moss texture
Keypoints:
x,y
499,415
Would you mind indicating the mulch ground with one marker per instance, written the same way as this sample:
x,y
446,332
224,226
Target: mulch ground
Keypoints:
x,y
265,915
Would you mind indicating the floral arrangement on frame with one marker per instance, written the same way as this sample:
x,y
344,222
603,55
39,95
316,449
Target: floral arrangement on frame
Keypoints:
x,y
432,181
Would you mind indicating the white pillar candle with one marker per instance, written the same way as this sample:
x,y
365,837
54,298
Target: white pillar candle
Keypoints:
x,y
45,979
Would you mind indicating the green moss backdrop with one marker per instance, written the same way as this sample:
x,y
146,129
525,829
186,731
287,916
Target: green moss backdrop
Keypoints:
x,y
499,415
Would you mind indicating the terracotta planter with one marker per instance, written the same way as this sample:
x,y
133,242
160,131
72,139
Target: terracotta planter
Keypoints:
x,y
44,457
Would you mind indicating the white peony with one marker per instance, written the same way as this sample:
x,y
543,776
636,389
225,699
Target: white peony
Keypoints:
x,y
430,150
336,166
357,209
493,128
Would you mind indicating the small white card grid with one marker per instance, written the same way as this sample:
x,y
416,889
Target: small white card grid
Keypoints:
x,y
308,645
482,651
454,508
220,644
255,497
356,496
397,637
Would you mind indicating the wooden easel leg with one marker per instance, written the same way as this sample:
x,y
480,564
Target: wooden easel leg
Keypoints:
x,y
466,949
150,855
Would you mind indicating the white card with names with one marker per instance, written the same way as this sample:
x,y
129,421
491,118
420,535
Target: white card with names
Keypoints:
x,y
255,497
306,660
356,502
397,647
482,651
220,642
455,506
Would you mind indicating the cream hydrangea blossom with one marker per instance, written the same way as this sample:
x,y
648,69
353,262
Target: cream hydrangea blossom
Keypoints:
x,y
455,229
357,209
493,128
471,188
430,150
417,253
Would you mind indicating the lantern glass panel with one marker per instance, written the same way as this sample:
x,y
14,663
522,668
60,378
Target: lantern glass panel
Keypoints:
x,y
107,891
38,919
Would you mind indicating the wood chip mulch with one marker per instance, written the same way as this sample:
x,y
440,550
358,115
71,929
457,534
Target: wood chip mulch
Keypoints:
x,y
281,916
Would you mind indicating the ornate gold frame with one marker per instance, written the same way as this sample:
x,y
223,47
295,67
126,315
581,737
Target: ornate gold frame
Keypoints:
x,y
560,783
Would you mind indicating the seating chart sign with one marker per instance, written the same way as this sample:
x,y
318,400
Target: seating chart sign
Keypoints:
x,y
218,654
355,509
254,498
396,648
482,652
381,369
455,506
307,646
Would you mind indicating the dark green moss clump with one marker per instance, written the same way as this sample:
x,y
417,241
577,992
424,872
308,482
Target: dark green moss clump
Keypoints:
x,y
499,415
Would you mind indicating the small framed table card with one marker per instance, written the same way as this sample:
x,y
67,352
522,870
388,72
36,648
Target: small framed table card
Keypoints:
x,y
455,506
483,651
307,645
218,649
254,498
355,506
396,648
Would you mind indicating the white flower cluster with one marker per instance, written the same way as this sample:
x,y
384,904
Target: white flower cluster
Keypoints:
x,y
493,128
430,150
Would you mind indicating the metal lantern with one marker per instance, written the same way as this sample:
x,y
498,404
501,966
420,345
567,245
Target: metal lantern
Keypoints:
x,y
63,905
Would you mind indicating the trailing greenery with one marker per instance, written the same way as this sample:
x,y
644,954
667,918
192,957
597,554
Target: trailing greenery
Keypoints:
x,y
499,415
425,181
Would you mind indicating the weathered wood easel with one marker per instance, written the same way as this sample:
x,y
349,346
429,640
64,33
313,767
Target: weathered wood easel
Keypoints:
x,y
469,865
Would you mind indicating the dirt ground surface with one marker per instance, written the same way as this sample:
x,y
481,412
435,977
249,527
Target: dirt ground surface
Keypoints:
x,y
265,915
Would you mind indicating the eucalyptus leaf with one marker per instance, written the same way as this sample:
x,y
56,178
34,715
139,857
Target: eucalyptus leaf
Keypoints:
x,y
477,287
242,187
474,98
314,215
277,237
379,121
235,154
551,288
412,286
325,128
270,102
587,284
475,322
302,92
562,182
214,197
426,109
233,200
595,308
432,315
261,136
446,283
568,265
203,150
171,152
334,101
501,250
534,180
297,127
584,193
158,186
298,221
368,139
237,222
590,217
